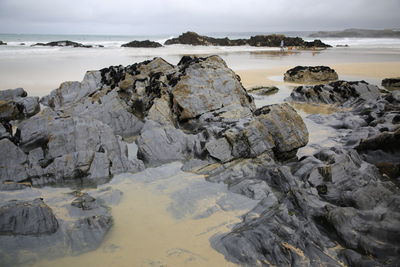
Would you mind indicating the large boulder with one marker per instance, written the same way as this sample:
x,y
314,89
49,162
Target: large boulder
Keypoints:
x,y
27,218
146,43
306,74
207,84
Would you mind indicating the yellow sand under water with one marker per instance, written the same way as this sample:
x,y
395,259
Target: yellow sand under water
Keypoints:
x,y
146,234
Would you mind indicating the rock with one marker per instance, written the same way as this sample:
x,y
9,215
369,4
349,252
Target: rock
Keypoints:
x,y
192,38
276,129
274,40
85,202
27,218
87,233
11,94
15,105
146,43
63,43
75,149
336,93
301,74
220,149
12,162
2,43
207,84
162,144
5,130
263,90
391,83
324,199
71,92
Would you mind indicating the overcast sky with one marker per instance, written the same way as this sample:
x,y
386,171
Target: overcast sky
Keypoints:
x,y
204,16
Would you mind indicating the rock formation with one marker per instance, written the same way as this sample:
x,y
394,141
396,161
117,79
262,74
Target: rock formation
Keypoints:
x,y
274,40
2,43
146,43
305,74
391,83
63,43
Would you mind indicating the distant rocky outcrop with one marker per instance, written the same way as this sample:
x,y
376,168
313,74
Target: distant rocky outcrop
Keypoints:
x,y
274,40
310,74
359,33
2,43
146,43
391,83
63,43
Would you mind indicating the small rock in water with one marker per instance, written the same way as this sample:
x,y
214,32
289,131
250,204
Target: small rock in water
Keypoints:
x,y
304,74
263,90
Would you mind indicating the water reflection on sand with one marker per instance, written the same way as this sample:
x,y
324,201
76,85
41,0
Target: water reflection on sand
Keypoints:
x,y
165,218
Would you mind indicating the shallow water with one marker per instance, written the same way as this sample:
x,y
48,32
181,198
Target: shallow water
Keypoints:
x,y
165,218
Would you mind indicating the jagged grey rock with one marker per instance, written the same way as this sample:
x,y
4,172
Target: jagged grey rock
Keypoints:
x,y
206,85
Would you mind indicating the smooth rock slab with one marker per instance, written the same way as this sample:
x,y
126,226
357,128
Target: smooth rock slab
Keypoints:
x,y
27,218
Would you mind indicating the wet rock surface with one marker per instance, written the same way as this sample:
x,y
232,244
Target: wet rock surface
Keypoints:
x,y
146,43
337,206
274,40
307,74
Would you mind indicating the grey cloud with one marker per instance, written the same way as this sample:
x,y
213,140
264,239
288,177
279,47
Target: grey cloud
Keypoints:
x,y
173,16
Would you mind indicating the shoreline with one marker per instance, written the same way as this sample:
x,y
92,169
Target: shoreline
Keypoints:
x,y
375,70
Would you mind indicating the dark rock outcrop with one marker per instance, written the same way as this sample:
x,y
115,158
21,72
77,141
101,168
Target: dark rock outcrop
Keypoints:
x,y
391,83
305,74
274,40
27,218
63,43
146,43
2,43
360,33
337,92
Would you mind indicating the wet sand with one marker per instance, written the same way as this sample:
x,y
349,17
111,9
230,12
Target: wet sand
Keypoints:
x,y
166,218
374,70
